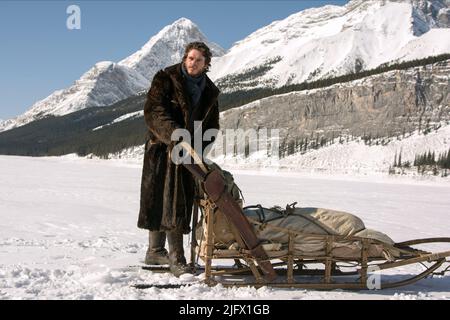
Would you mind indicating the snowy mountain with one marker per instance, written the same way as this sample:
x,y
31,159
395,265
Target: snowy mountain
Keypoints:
x,y
104,84
108,82
353,127
348,126
309,45
387,104
375,114
335,40
167,47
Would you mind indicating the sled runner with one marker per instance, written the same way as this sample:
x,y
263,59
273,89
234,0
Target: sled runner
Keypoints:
x,y
283,247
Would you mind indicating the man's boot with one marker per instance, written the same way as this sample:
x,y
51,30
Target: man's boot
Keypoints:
x,y
156,253
177,260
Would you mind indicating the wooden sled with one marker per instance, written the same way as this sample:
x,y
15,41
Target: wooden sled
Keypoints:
x,y
255,266
296,271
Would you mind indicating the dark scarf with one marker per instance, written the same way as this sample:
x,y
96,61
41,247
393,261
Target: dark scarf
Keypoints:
x,y
195,85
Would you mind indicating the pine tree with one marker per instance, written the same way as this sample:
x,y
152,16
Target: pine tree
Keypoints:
x,y
445,159
447,162
291,147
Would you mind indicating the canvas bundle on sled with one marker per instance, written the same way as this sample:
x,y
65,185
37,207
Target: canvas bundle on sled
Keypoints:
x,y
308,227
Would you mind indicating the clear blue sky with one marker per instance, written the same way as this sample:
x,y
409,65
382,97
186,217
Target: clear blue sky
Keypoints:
x,y
39,55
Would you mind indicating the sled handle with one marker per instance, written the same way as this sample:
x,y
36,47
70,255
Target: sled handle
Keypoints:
x,y
194,155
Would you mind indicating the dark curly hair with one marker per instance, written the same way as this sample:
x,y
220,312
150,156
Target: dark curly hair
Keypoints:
x,y
203,48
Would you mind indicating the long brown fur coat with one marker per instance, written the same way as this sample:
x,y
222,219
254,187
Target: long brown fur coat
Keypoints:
x,y
167,189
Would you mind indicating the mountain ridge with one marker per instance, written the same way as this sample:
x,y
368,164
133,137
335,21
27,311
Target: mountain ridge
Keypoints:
x,y
335,40
107,131
108,82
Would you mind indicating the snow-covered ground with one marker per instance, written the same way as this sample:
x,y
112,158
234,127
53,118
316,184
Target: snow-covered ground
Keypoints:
x,y
68,228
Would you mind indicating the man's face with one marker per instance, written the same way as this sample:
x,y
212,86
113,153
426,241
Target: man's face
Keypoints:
x,y
195,62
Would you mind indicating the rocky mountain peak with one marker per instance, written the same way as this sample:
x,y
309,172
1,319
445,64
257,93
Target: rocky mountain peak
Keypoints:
x,y
167,47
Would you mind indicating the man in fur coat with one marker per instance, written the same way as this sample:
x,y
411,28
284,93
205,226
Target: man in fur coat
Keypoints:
x,y
179,95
